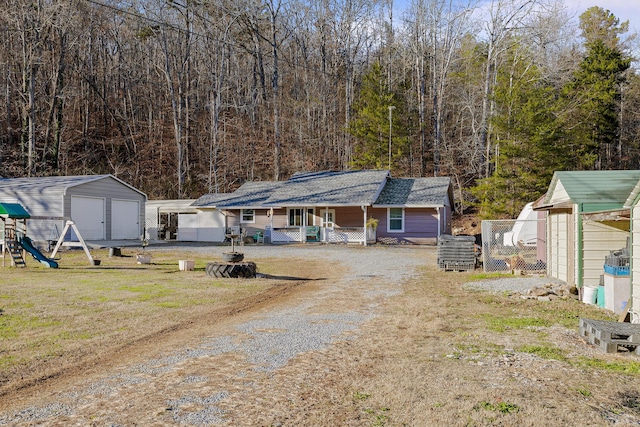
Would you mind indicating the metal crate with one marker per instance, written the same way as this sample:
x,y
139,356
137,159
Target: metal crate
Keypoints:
x,y
456,253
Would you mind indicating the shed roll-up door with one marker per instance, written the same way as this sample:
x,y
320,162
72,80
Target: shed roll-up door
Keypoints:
x,y
88,214
125,219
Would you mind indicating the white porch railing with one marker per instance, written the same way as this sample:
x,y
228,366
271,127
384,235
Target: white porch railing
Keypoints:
x,y
287,235
327,234
345,235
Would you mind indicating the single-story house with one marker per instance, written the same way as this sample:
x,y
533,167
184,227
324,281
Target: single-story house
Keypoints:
x,y
103,207
339,206
179,220
586,220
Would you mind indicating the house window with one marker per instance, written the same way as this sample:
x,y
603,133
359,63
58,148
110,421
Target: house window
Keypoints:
x,y
248,215
311,219
295,217
396,220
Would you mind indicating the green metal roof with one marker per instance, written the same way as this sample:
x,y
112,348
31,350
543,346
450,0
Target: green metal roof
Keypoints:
x,y
13,210
596,190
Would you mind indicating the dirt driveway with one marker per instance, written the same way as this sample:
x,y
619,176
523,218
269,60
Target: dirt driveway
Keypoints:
x,y
200,374
375,337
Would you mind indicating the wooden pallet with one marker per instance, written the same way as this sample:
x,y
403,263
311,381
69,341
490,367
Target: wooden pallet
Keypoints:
x,y
611,337
456,265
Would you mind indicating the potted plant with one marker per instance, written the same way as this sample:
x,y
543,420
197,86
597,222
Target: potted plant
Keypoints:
x,y
144,257
372,225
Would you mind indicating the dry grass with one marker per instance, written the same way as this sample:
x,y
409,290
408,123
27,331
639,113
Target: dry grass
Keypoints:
x,y
54,319
438,355
442,355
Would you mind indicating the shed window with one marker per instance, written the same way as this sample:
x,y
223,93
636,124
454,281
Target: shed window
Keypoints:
x,y
248,215
396,220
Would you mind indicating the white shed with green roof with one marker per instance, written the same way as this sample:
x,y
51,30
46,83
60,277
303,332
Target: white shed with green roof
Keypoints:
x,y
586,220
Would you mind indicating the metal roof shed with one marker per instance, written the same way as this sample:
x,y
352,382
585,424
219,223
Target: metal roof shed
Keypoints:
x,y
102,206
579,233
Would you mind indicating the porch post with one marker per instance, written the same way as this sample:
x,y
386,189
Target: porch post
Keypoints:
x,y
303,227
364,219
224,213
325,237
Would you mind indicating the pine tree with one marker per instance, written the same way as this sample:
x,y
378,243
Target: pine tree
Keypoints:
x,y
595,91
375,107
530,139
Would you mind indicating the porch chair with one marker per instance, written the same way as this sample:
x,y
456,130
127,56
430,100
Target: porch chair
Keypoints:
x,y
242,237
258,237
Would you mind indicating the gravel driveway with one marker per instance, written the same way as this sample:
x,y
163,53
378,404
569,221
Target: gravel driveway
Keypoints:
x,y
189,386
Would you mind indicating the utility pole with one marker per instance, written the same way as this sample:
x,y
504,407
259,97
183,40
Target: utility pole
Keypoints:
x,y
391,108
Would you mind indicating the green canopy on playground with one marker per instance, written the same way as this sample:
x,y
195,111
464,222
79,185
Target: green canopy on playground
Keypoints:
x,y
13,210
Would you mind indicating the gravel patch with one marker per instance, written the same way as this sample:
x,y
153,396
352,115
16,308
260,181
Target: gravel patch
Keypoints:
x,y
208,415
277,339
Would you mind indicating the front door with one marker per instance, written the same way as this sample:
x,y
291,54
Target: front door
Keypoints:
x,y
328,217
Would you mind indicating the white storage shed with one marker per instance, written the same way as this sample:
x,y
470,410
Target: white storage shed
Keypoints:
x,y
584,223
103,207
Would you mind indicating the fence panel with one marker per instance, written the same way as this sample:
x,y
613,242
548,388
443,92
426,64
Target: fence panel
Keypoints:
x,y
286,235
514,245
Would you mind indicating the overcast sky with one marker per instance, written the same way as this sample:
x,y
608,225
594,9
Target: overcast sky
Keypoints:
x,y
622,9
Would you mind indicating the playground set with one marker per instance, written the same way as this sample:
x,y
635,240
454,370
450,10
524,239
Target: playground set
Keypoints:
x,y
15,242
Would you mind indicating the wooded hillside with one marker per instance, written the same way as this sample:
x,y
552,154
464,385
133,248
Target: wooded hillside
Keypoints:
x,y
180,98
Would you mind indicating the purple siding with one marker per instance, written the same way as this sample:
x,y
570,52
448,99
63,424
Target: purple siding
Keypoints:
x,y
420,225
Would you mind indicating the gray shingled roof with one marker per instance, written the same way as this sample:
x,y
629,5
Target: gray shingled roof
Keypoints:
x,y
329,188
415,192
250,195
332,188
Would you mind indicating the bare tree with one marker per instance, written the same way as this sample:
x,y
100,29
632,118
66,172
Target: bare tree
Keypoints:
x,y
437,28
503,19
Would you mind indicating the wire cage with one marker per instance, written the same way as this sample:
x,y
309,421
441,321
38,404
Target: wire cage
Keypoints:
x,y
509,245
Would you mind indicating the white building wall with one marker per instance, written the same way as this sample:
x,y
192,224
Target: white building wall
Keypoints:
x,y
598,241
558,260
635,264
194,225
211,226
